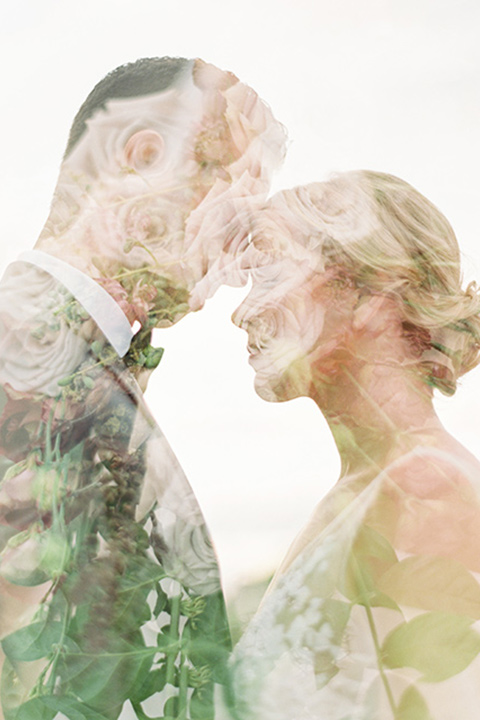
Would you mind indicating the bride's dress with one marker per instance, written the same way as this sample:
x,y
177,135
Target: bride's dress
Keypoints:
x,y
376,616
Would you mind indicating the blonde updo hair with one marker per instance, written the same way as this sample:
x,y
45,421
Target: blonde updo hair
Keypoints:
x,y
390,239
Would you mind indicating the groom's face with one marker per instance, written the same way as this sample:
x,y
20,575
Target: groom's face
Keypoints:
x,y
174,173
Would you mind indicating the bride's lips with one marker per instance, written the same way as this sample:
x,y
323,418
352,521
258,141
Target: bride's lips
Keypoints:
x,y
257,357
255,347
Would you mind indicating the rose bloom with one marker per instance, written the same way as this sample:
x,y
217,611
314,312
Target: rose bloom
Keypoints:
x,y
187,554
168,182
37,346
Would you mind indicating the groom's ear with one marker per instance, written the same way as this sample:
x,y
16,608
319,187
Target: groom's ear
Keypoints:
x,y
144,149
368,313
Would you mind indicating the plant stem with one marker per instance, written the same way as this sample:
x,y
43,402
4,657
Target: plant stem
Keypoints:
x,y
174,621
373,631
182,689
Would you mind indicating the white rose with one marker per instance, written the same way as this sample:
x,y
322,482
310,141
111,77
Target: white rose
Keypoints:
x,y
37,347
187,555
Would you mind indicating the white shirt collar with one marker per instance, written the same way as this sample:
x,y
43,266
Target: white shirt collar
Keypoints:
x,y
109,317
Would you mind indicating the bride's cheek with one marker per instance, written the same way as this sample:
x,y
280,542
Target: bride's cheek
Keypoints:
x,y
305,322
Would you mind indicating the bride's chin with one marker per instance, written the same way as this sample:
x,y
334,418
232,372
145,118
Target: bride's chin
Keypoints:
x,y
266,393
274,389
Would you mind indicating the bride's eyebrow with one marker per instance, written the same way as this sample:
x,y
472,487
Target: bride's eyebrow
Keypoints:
x,y
266,272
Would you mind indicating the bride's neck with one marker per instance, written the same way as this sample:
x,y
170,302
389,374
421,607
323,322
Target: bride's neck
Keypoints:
x,y
377,410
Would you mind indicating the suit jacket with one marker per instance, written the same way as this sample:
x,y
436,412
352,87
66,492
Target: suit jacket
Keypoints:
x,y
109,587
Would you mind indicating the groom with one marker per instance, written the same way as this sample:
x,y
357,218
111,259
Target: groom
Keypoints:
x,y
165,160
109,593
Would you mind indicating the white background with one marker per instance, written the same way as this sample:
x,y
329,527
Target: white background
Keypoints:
x,y
391,85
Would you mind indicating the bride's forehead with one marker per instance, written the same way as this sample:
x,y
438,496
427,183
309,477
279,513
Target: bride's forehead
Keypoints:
x,y
280,238
292,261
275,227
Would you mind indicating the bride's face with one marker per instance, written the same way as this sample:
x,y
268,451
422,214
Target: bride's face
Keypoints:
x,y
297,314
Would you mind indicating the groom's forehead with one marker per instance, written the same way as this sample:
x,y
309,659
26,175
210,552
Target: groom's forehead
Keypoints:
x,y
188,94
169,105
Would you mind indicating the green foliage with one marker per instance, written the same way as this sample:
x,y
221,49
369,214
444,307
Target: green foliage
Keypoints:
x,y
46,708
412,706
34,641
371,556
433,583
105,679
438,645
112,627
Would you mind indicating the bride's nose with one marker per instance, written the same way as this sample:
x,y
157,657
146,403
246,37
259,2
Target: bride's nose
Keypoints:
x,y
239,315
248,309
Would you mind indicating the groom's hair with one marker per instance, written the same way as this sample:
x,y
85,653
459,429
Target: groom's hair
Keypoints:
x,y
142,77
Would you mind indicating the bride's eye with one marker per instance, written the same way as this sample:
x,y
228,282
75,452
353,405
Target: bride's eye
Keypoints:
x,y
267,275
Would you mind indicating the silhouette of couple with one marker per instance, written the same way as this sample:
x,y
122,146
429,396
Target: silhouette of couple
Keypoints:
x,y
110,599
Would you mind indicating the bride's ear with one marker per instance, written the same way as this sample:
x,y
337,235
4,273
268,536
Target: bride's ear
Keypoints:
x,y
368,311
144,149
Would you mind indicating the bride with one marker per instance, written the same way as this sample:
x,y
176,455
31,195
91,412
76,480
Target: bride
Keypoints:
x,y
374,613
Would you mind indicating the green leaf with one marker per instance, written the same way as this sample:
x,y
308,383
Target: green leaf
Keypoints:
x,y
166,643
153,357
12,691
71,708
371,556
30,578
438,645
142,572
170,708
433,583
34,710
202,703
161,601
63,382
412,706
336,613
33,642
131,606
56,553
46,707
154,682
15,470
106,679
209,642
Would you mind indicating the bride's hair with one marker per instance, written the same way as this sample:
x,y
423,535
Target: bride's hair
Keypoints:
x,y
390,239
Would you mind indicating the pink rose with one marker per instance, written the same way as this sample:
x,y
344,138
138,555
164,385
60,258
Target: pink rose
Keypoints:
x,y
217,235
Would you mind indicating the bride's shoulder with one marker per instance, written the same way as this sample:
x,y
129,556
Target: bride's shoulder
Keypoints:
x,y
435,470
